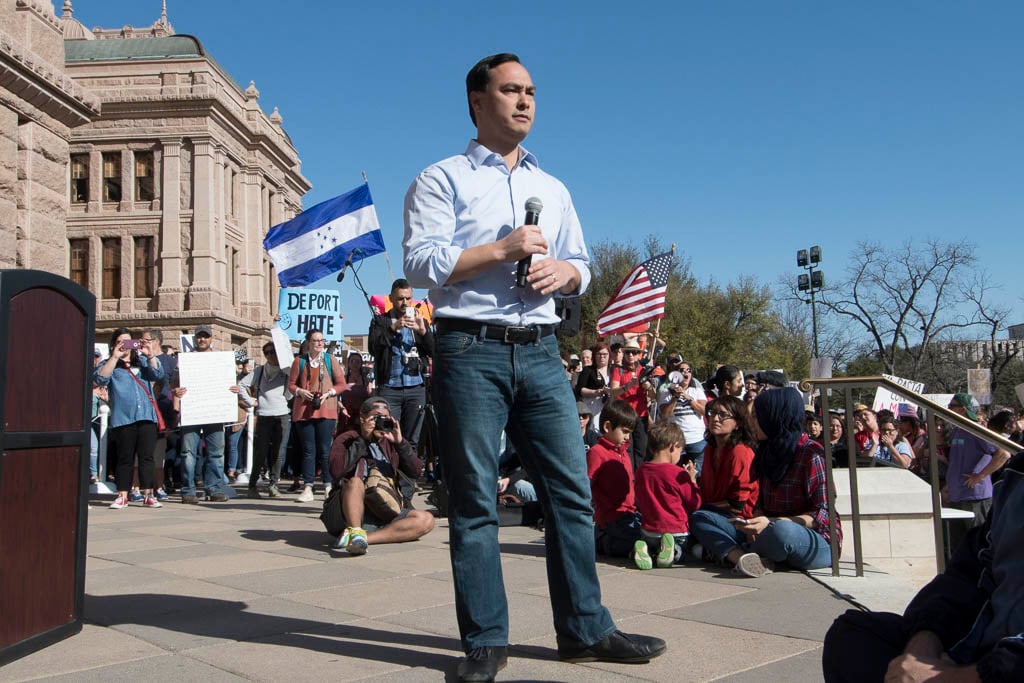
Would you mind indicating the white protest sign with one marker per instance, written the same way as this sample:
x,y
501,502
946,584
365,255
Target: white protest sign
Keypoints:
x,y
888,400
208,377
303,309
282,346
187,343
979,385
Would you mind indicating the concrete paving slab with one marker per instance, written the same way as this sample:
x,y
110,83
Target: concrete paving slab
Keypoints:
x,y
804,611
166,668
805,666
319,576
697,652
229,564
161,598
200,622
124,580
94,646
177,550
648,592
382,597
345,652
131,542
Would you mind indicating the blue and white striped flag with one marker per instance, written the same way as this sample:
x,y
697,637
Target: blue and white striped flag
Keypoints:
x,y
322,238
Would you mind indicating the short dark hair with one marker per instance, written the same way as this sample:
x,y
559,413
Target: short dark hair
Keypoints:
x,y
400,283
619,414
480,75
663,435
310,333
369,404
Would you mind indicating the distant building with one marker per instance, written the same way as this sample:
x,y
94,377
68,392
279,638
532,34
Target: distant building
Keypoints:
x,y
173,185
983,350
133,164
39,107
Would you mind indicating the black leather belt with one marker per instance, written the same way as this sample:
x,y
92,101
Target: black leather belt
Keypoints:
x,y
508,334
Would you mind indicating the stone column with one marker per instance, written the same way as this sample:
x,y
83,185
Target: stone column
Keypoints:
x,y
251,223
8,187
170,294
95,181
203,293
127,181
219,238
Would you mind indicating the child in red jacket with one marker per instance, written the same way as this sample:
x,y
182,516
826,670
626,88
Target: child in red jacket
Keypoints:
x,y
610,469
665,496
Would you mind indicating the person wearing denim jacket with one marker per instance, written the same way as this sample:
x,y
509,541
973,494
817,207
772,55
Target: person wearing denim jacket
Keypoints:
x,y
133,418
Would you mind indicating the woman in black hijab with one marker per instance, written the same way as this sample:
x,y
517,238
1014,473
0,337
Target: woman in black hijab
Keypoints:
x,y
790,524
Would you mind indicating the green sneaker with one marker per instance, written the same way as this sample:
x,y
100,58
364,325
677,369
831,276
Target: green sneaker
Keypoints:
x,y
641,557
667,552
356,544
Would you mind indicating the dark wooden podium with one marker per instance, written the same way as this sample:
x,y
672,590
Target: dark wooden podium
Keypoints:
x,y
46,332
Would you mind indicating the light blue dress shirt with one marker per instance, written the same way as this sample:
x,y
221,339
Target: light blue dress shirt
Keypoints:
x,y
473,199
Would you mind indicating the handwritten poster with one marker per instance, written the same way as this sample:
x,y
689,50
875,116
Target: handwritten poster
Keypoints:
x,y
208,377
304,309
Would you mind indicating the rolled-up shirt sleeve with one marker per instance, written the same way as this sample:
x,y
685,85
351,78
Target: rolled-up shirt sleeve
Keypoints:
x,y
570,245
430,255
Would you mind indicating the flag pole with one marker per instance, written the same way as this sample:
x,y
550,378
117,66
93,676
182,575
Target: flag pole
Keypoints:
x,y
653,351
387,259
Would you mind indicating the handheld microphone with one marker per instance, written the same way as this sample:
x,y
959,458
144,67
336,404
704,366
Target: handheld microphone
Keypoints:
x,y
533,207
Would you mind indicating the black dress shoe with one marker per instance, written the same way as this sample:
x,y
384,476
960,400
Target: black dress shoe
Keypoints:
x,y
483,663
623,648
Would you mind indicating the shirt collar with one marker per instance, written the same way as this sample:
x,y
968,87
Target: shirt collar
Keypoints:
x,y
481,156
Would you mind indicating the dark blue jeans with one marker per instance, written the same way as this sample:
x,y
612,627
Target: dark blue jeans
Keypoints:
x,y
317,437
480,386
212,466
405,404
781,541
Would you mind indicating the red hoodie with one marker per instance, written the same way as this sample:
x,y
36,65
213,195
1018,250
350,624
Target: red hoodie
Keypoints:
x,y
611,481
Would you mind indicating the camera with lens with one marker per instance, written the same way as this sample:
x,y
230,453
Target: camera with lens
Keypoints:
x,y
317,400
413,363
384,423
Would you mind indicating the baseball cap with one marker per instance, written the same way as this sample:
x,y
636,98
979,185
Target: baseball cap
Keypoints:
x,y
968,403
204,329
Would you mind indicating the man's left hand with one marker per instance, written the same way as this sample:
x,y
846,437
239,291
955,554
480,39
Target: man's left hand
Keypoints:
x,y
917,669
548,276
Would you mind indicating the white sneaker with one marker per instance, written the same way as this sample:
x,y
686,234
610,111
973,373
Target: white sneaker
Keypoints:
x,y
306,496
750,564
327,491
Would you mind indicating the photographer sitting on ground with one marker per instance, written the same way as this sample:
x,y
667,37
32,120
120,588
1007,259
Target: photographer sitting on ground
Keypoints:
x,y
365,507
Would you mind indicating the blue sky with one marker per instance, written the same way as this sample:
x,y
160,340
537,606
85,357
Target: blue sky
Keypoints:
x,y
741,131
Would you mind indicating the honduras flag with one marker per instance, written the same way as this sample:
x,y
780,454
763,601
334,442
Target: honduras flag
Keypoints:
x,y
321,239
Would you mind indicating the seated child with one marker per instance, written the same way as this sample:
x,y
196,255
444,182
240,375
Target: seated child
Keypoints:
x,y
610,469
665,495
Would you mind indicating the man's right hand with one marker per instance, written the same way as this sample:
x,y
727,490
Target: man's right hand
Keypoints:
x,y
524,241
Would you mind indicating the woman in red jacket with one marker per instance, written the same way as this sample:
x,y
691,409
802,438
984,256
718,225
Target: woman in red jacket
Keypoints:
x,y
315,380
728,485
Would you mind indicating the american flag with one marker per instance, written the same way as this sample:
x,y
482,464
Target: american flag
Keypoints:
x,y
639,299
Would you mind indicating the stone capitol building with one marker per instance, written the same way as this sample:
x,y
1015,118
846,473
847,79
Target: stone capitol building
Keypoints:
x,y
132,163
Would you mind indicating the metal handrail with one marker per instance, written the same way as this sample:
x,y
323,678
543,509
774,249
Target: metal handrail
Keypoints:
x,y
845,384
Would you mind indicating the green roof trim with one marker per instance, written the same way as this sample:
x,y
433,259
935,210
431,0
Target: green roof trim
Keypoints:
x,y
117,49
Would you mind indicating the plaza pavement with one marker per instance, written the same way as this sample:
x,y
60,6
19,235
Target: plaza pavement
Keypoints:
x,y
248,590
